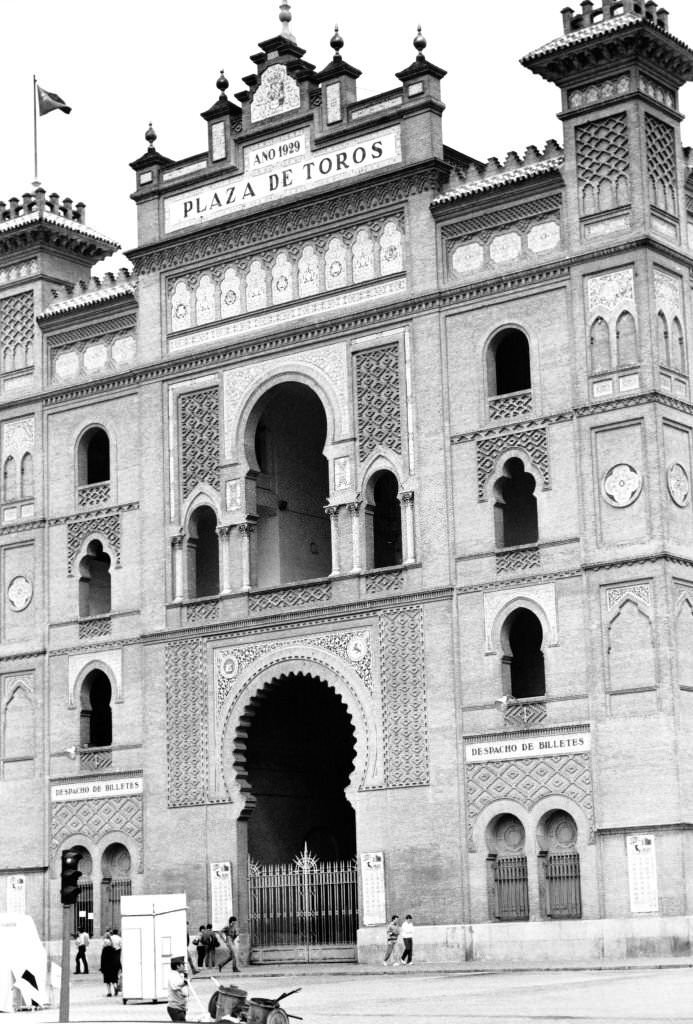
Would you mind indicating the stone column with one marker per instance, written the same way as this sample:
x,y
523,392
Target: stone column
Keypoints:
x,y
354,509
333,512
406,500
245,530
177,544
224,535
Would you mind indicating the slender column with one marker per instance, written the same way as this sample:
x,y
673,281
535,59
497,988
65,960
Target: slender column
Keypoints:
x,y
245,530
333,512
177,546
406,500
224,535
354,508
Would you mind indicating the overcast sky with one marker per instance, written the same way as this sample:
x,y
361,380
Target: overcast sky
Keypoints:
x,y
124,64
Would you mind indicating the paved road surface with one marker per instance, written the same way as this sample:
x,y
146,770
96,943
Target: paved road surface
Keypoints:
x,y
425,996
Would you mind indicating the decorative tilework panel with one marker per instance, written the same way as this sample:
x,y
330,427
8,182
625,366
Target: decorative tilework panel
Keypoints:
x,y
79,530
533,442
378,399
199,439
186,724
403,674
603,164
17,331
660,140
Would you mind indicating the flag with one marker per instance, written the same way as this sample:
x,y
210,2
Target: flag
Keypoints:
x,y
48,101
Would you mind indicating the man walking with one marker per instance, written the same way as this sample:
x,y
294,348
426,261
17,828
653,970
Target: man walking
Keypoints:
x,y
229,933
391,937
82,941
178,990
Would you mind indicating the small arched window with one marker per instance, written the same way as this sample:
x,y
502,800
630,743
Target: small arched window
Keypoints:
x,y
516,506
600,348
662,339
203,553
385,544
678,345
509,368
626,340
94,457
9,480
96,728
27,485
523,660
94,582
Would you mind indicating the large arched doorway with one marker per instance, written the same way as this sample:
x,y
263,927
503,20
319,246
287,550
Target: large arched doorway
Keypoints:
x,y
300,752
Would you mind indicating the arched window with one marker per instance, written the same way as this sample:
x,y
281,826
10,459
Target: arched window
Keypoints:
x,y
116,876
96,729
203,553
94,582
385,527
600,348
508,363
94,459
559,866
678,356
662,339
516,506
626,340
507,868
523,659
9,480
27,484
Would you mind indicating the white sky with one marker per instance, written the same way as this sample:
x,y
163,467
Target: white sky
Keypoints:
x,y
123,64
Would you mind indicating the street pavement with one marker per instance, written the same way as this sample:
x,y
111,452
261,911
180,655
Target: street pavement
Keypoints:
x,y
635,992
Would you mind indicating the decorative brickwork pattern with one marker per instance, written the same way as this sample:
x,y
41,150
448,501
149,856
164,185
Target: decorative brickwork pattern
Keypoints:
x,y
92,495
607,89
510,407
89,628
97,819
404,697
603,164
204,611
533,442
80,529
518,561
199,439
17,331
524,715
378,399
289,597
660,141
384,581
95,760
527,781
186,723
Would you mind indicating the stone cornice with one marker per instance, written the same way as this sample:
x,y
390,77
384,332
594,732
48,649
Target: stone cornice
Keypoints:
x,y
106,510
88,331
290,221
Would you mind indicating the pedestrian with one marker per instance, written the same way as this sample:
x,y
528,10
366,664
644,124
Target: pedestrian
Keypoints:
x,y
178,989
393,930
110,962
229,934
82,942
117,943
211,943
200,942
193,969
408,940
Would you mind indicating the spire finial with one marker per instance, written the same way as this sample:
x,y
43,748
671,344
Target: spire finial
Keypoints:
x,y
150,137
285,18
419,43
336,42
222,82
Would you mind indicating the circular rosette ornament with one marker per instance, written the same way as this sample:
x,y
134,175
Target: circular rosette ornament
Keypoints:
x,y
621,485
678,484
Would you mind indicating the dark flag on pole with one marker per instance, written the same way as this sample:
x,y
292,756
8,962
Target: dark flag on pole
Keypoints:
x,y
48,101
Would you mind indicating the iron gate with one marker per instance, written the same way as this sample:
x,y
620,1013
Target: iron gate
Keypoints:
x,y
510,886
304,904
562,871
84,909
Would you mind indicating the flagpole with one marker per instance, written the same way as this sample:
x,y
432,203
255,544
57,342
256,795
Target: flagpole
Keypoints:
x,y
35,139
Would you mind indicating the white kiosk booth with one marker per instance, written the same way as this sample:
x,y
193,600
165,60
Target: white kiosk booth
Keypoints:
x,y
153,928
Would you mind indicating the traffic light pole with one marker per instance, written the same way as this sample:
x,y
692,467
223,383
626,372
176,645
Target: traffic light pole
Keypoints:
x,y
68,913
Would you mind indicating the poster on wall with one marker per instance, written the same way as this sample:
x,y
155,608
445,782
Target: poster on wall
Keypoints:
x,y
222,900
373,888
642,874
16,894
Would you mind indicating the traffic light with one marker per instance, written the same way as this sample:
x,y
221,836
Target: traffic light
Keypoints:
x,y
69,875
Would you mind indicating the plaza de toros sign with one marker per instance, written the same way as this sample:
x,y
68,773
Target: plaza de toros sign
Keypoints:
x,y
282,167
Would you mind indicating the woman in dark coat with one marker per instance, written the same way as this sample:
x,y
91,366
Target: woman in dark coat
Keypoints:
x,y
110,962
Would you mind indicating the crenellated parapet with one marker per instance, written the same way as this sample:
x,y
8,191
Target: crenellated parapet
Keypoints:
x,y
92,292
496,174
42,221
39,201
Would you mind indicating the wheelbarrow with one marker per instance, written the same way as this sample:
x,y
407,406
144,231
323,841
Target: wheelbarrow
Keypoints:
x,y
230,1001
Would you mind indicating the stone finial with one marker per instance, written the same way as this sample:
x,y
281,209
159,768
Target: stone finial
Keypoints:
x,y
150,138
222,84
336,42
419,43
285,19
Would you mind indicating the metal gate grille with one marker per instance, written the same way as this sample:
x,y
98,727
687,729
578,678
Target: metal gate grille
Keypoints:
x,y
510,884
306,903
84,909
563,885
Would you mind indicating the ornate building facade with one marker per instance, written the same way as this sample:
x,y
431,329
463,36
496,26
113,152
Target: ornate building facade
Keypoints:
x,y
352,529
